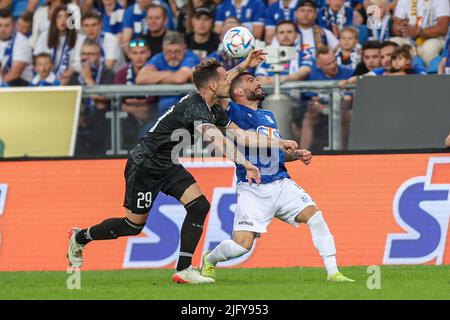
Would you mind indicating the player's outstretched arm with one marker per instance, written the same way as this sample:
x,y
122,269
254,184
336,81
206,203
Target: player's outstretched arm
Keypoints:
x,y
252,139
254,58
226,147
303,155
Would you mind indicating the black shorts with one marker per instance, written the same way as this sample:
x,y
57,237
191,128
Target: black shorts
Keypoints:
x,y
142,186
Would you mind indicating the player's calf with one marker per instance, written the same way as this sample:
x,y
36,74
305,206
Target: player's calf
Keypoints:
x,y
109,229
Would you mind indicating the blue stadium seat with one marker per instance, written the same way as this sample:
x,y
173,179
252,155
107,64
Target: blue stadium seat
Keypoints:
x,y
434,65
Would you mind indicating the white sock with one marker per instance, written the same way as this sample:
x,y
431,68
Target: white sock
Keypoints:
x,y
323,241
226,250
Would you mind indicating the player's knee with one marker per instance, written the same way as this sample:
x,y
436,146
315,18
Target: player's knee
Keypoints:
x,y
306,214
244,240
198,207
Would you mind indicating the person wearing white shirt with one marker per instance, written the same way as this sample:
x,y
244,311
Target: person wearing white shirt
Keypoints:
x,y
41,19
312,36
110,49
423,23
15,53
62,43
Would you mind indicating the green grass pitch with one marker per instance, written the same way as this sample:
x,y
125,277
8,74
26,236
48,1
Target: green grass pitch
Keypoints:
x,y
397,282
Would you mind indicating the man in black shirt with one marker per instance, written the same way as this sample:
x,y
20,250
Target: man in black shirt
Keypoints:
x,y
203,40
156,24
153,166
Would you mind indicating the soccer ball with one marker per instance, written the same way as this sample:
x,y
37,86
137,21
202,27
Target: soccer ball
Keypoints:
x,y
238,42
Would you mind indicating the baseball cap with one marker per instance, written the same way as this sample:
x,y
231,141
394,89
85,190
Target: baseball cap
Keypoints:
x,y
302,3
203,10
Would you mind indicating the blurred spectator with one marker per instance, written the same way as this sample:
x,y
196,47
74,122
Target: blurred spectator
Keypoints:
x,y
447,141
423,23
134,20
387,47
140,109
286,35
62,43
42,17
43,67
349,51
15,53
19,7
382,31
110,50
228,62
5,4
401,63
281,10
156,24
94,71
389,52
249,12
444,66
203,40
335,16
326,68
94,129
312,35
172,66
24,24
112,13
371,58
186,13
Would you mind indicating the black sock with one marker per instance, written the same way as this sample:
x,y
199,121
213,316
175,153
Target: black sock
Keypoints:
x,y
109,229
192,230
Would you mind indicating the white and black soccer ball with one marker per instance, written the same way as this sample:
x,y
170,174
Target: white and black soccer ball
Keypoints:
x,y
238,42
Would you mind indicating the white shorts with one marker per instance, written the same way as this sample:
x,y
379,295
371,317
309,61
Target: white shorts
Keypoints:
x,y
258,205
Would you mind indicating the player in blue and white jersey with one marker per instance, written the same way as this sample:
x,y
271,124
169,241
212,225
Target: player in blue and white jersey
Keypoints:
x,y
277,196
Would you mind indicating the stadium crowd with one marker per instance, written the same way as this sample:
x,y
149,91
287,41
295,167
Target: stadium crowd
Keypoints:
x,y
148,41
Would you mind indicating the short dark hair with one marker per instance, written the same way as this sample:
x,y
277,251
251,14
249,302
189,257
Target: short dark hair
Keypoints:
x,y
237,82
372,44
27,16
91,14
205,71
157,6
6,13
388,43
42,55
322,50
402,51
286,22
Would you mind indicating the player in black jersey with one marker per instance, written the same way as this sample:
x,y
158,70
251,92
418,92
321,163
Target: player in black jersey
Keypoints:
x,y
153,167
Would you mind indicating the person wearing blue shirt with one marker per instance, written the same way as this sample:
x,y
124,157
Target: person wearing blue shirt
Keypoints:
x,y
249,12
45,77
277,196
172,66
276,12
335,16
112,14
